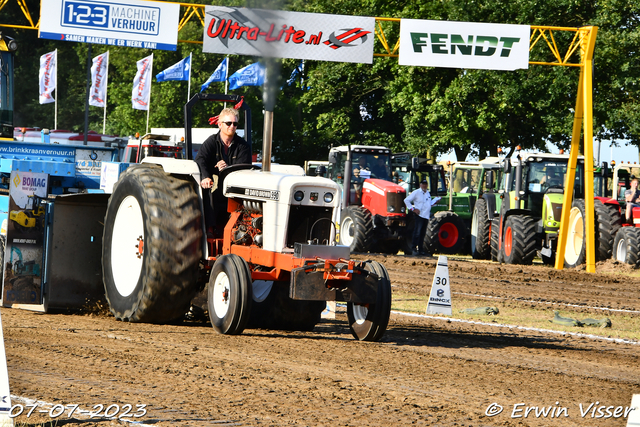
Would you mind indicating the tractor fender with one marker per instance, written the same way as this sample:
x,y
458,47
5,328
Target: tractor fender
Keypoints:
x,y
491,204
176,166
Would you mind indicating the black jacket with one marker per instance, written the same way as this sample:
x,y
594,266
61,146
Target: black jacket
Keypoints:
x,y
212,151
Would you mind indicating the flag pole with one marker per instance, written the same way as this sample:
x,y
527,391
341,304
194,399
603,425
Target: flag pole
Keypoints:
x,y
106,91
150,86
226,77
55,112
189,85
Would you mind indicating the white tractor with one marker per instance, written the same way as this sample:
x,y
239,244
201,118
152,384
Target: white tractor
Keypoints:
x,y
274,266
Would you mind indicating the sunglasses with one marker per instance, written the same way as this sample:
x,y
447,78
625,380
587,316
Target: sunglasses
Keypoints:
x,y
231,124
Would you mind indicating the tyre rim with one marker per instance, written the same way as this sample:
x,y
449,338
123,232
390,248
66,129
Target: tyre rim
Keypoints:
x,y
621,251
508,241
221,295
127,246
576,237
346,234
448,234
360,313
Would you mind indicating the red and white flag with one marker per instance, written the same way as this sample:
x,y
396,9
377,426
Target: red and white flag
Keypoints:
x,y
48,63
99,69
141,94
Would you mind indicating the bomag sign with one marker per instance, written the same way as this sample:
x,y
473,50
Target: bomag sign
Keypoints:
x,y
464,45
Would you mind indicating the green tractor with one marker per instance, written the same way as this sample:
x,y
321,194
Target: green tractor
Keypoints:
x,y
531,208
454,226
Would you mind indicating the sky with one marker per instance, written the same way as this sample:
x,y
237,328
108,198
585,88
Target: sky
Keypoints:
x,y
620,151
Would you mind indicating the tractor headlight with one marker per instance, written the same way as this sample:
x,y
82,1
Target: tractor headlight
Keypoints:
x,y
328,197
392,209
402,209
298,196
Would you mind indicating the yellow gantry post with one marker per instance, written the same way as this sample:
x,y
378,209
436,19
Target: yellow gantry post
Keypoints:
x,y
583,118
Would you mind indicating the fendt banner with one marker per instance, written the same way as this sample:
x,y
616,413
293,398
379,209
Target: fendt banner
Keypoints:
x,y
280,34
474,45
130,23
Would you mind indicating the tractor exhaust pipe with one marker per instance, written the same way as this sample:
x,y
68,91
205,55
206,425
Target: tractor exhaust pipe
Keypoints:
x,y
269,97
267,138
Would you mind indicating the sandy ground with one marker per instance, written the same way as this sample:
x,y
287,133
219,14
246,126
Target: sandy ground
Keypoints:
x,y
424,371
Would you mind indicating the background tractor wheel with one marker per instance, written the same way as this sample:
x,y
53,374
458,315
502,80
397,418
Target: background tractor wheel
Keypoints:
x,y
627,246
369,322
152,246
356,229
480,228
229,295
276,310
495,238
519,244
575,253
607,223
446,234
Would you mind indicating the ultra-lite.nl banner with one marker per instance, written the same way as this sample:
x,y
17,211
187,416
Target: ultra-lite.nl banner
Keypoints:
x,y
279,34
474,45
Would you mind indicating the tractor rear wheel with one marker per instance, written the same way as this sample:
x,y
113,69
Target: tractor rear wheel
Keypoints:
x,y
368,322
229,294
480,229
152,245
356,229
627,246
446,234
575,252
273,308
519,243
607,223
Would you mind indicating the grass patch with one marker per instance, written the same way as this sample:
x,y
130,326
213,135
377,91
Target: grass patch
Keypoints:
x,y
527,314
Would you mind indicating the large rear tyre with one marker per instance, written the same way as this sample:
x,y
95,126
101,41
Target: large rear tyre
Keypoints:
x,y
368,322
151,245
446,234
274,309
480,230
627,246
519,244
356,229
609,222
229,295
575,252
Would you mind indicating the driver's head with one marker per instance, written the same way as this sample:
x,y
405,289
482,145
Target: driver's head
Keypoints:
x,y
362,162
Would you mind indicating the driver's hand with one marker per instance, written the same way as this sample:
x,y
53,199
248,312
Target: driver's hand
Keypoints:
x,y
221,165
206,183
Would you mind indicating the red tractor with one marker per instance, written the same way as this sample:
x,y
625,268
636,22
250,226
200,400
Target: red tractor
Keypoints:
x,y
373,213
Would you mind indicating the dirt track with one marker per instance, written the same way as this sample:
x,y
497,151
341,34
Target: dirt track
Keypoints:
x,y
425,371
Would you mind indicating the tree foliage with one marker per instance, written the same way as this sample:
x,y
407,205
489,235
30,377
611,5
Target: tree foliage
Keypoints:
x,y
419,109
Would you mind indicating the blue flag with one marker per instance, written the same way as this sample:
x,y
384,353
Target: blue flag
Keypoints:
x,y
219,75
179,71
251,75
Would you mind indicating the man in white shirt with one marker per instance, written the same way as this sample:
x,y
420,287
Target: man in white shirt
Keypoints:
x,y
420,202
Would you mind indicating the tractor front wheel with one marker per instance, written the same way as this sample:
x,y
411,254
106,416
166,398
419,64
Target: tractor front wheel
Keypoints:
x,y
356,229
229,294
151,245
368,322
446,234
626,246
519,243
